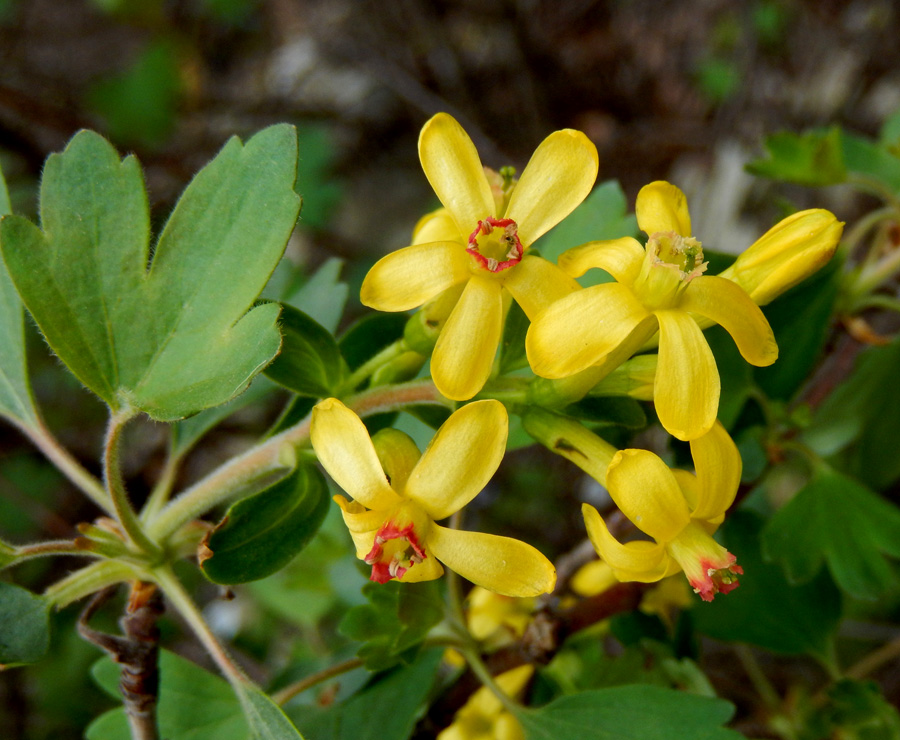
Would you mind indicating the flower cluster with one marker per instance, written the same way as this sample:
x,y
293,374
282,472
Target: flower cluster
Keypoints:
x,y
642,332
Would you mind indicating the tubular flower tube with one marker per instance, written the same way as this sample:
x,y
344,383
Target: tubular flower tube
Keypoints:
x,y
659,288
399,494
679,510
483,717
478,244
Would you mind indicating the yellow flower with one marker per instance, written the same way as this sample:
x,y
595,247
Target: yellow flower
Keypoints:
x,y
496,618
483,717
478,246
658,288
786,254
679,510
399,494
593,578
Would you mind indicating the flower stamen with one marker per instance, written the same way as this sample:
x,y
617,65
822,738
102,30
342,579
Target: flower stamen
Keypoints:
x,y
499,253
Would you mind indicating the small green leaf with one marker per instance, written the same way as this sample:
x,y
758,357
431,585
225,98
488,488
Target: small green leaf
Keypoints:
x,y
857,709
394,622
512,346
193,703
801,319
266,719
603,215
766,610
609,411
310,363
863,414
262,533
24,626
385,709
178,338
811,158
630,712
16,402
321,297
187,432
139,105
735,372
836,520
371,334
868,159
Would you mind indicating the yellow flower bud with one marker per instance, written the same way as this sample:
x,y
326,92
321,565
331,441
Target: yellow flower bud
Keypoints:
x,y
786,254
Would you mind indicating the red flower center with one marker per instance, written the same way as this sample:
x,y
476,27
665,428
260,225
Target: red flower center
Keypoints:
x,y
395,551
500,248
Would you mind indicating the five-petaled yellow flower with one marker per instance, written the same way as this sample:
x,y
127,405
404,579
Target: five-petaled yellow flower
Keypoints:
x,y
399,495
483,717
480,247
678,509
659,288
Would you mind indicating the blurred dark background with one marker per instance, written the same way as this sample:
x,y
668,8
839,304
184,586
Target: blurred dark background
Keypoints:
x,y
665,89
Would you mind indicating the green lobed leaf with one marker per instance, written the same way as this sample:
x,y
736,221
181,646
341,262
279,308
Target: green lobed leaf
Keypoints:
x,y
262,533
766,610
836,520
801,319
194,704
24,626
811,158
178,338
602,215
863,414
16,402
630,713
385,709
394,622
310,363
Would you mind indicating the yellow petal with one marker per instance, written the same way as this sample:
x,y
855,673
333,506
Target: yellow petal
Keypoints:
x,y
559,175
686,391
581,329
464,353
621,258
636,561
661,206
427,570
645,490
362,523
726,303
786,254
461,458
718,465
437,226
453,168
500,564
593,578
345,450
411,276
536,283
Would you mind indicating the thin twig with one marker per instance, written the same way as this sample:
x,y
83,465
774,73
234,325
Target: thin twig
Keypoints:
x,y
137,652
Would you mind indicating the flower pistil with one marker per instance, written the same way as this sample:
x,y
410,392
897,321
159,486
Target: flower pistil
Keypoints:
x,y
505,244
